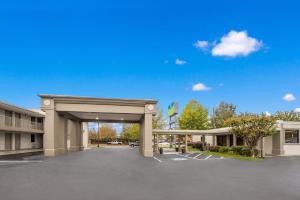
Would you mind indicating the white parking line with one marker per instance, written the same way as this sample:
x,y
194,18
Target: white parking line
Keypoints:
x,y
20,161
157,159
197,156
207,157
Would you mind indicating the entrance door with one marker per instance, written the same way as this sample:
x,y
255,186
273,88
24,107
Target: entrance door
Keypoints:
x,y
8,141
17,141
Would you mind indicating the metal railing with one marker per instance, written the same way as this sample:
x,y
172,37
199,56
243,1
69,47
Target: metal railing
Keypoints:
x,y
20,123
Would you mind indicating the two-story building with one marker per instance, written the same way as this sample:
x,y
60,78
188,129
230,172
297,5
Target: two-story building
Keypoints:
x,y
20,129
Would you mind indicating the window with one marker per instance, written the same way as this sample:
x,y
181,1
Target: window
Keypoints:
x,y
291,136
32,138
8,118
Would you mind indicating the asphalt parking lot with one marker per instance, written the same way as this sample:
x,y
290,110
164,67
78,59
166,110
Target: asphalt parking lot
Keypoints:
x,y
122,173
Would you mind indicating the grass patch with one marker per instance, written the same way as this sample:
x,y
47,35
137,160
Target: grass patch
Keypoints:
x,y
231,155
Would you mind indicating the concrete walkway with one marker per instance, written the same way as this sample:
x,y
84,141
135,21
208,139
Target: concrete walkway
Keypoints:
x,y
122,173
23,151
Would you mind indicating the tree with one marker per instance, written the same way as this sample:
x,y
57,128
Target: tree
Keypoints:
x,y
158,121
131,132
223,112
194,116
252,128
287,116
107,133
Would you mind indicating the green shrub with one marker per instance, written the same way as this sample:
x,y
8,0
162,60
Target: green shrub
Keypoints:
x,y
214,148
237,149
245,151
225,149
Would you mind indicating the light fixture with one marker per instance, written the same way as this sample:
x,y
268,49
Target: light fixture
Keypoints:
x,y
122,118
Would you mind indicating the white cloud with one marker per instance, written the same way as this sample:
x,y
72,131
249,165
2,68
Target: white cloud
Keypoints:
x,y
289,97
236,44
267,113
297,110
202,44
200,87
180,62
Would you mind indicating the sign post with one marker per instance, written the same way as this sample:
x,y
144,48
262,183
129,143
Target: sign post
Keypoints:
x,y
172,113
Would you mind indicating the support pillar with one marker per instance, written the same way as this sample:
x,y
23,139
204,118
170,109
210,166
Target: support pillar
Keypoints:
x,y
234,140
278,141
74,131
228,140
186,143
85,135
214,140
55,135
13,141
147,135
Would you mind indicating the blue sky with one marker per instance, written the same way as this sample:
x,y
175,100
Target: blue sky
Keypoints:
x,y
244,53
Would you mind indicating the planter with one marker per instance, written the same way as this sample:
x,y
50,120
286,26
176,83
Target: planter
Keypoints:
x,y
183,150
177,149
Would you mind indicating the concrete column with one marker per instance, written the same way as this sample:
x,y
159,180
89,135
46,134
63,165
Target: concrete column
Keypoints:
x,y
228,140
147,135
74,135
278,141
55,135
186,143
80,135
85,135
234,140
214,140
13,141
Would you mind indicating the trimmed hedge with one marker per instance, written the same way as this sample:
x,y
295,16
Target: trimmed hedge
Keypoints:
x,y
240,150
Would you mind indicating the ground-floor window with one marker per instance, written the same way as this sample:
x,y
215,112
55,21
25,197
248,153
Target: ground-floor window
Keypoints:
x,y
291,136
32,138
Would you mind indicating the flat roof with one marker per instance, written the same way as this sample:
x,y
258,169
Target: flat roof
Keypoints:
x,y
18,109
63,98
215,131
221,131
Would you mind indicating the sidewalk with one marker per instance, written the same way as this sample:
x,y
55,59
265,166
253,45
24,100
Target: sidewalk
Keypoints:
x,y
19,152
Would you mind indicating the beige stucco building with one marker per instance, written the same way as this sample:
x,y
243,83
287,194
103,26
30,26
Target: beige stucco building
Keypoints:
x,y
61,126
20,129
284,142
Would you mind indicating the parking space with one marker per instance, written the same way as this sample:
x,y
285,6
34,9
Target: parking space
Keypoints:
x,y
201,156
122,173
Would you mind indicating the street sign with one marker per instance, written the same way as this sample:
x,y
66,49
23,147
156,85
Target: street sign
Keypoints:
x,y
172,109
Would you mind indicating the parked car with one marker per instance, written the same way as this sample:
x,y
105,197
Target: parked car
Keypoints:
x,y
114,142
134,144
163,144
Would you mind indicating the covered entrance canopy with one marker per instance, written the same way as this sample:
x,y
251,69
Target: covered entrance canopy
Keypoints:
x,y
65,115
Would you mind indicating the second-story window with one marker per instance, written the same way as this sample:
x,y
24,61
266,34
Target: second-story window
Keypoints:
x,y
33,123
17,119
8,118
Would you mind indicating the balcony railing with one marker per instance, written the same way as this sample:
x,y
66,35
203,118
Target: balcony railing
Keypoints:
x,y
22,124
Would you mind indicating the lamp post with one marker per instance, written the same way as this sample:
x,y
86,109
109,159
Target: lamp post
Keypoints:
x,y
98,124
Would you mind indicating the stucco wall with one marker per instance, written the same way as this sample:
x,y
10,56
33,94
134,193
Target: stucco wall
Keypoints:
x,y
26,141
209,139
196,138
268,146
291,149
